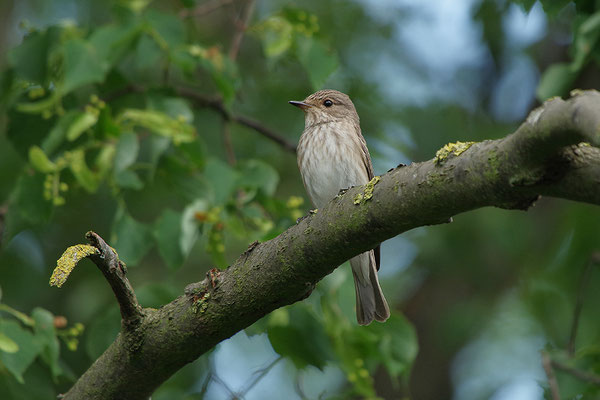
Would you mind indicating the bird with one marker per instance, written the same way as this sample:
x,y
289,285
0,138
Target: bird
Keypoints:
x,y
332,156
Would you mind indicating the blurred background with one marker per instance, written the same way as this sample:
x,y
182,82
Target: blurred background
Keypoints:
x,y
145,121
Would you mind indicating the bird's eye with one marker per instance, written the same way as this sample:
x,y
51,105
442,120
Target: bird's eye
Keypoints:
x,y
328,103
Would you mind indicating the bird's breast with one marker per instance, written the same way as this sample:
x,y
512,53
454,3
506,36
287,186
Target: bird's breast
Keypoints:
x,y
329,158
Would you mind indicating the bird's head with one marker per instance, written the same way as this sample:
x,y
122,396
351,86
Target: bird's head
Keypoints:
x,y
327,106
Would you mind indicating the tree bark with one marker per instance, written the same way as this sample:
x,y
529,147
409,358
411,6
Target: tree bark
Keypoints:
x,y
554,153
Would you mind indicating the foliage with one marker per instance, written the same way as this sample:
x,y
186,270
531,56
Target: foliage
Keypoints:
x,y
118,123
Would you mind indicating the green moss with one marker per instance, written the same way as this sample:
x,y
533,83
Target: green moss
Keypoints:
x,y
308,230
456,148
493,164
201,304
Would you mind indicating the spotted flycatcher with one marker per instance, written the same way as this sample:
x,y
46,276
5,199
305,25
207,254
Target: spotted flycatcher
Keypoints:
x,y
333,155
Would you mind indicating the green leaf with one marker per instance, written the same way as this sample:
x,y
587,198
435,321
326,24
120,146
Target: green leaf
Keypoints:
x,y
80,123
258,174
553,7
8,345
113,42
397,344
30,58
276,33
29,348
222,178
318,61
58,133
127,151
168,27
130,238
40,161
29,198
102,331
160,123
128,179
556,81
86,178
168,235
156,294
83,65
585,41
300,337
189,224
46,335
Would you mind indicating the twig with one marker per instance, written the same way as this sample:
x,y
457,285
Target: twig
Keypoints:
x,y
547,364
241,26
585,277
260,374
228,144
217,105
577,373
204,8
114,271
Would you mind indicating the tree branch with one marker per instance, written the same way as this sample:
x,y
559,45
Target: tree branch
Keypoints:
x,y
114,271
541,158
217,105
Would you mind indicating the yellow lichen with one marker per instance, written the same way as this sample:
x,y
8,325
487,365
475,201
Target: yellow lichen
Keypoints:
x,y
67,262
371,187
358,198
368,192
451,148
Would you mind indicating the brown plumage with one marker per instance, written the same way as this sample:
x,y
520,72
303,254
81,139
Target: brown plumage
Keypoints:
x,y
333,155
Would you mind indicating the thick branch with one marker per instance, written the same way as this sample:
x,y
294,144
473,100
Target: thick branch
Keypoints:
x,y
114,271
512,172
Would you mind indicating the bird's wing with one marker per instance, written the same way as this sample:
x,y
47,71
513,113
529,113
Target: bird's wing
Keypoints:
x,y
366,158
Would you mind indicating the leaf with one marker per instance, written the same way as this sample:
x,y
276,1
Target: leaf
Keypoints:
x,y
102,331
86,178
189,224
131,239
83,66
40,161
397,344
222,178
160,123
58,133
29,198
556,81
276,33
128,179
29,348
127,151
586,38
301,338
45,333
8,345
30,58
318,61
553,7
167,26
112,42
80,123
168,235
258,174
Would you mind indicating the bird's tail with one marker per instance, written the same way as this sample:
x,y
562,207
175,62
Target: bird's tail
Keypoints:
x,y
370,303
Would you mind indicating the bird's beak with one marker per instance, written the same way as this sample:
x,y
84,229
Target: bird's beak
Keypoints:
x,y
300,104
